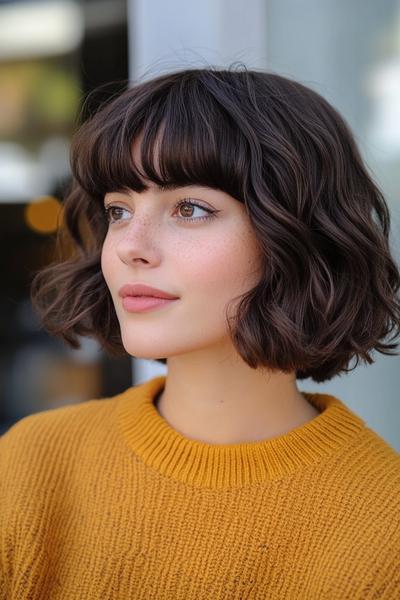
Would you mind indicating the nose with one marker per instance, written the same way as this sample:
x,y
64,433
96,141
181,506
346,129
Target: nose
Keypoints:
x,y
138,241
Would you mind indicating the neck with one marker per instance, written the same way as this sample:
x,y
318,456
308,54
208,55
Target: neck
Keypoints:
x,y
227,402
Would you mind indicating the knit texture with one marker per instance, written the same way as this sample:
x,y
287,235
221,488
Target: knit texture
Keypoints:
x,y
106,500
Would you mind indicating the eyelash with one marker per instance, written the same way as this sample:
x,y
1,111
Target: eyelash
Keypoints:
x,y
182,202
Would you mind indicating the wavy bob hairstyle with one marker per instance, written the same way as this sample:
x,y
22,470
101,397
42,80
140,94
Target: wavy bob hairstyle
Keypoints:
x,y
328,290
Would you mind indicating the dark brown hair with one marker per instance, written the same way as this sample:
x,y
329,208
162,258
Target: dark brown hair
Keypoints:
x,y
329,286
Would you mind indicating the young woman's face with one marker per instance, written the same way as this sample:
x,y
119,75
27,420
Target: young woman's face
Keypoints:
x,y
206,262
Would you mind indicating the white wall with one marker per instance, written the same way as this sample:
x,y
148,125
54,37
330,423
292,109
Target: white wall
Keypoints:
x,y
184,34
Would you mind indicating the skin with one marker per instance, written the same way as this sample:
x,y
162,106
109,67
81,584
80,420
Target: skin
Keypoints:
x,y
211,394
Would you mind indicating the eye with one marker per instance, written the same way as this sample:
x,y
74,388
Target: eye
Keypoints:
x,y
193,205
114,214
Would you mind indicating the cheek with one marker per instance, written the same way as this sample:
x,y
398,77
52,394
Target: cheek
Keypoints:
x,y
224,267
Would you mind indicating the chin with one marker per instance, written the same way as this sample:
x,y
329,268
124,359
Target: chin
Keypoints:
x,y
151,353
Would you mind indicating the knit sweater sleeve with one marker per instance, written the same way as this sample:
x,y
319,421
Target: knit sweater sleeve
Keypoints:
x,y
383,581
23,491
387,579
3,586
13,467
6,467
38,454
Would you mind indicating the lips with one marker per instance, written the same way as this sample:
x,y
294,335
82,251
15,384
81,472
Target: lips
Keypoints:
x,y
140,289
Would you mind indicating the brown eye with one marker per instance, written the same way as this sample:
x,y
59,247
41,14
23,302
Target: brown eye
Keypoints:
x,y
186,209
113,213
186,206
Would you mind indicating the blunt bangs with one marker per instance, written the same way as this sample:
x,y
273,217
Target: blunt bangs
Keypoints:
x,y
187,138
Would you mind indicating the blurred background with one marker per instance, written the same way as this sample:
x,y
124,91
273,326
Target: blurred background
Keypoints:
x,y
60,59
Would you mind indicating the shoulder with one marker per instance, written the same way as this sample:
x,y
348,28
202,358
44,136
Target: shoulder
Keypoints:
x,y
370,469
46,455
377,483
72,415
47,437
378,457
368,497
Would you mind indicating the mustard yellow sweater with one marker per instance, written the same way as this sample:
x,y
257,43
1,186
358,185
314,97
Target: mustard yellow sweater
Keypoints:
x,y
106,500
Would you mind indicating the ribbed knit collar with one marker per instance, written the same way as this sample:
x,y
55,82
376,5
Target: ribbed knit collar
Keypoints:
x,y
201,464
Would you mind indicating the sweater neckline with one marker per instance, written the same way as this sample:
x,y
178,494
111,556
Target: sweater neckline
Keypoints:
x,y
218,466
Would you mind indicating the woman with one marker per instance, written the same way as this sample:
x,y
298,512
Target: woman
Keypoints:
x,y
224,224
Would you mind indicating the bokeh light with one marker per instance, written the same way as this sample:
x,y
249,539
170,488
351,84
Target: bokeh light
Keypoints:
x,y
44,214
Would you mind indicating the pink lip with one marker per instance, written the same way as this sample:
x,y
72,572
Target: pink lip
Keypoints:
x,y
141,289
145,303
